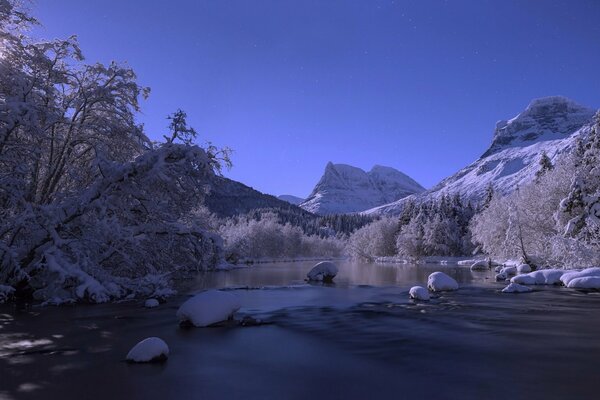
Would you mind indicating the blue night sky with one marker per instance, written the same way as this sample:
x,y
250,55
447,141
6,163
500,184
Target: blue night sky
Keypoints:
x,y
290,85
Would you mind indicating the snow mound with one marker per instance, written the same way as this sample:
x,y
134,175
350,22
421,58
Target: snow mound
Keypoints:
x,y
481,265
418,293
510,270
585,282
208,308
151,303
569,276
501,277
324,271
151,349
523,268
439,281
541,277
516,288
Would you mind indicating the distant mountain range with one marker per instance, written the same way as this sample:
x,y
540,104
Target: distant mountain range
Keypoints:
x,y
295,200
549,124
347,189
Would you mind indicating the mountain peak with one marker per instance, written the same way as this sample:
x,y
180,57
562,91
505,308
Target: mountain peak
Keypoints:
x,y
545,118
344,189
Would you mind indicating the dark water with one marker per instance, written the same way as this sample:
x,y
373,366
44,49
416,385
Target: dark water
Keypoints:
x,y
360,338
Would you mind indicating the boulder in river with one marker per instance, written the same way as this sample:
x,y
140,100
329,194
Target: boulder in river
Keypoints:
x,y
324,271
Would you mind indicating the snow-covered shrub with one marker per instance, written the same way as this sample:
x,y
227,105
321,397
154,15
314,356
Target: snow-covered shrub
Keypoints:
x,y
378,239
267,237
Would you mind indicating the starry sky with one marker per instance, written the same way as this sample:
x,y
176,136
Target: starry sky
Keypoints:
x,y
290,85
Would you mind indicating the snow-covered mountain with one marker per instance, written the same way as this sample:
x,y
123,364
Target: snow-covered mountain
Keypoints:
x,y
295,200
549,124
346,189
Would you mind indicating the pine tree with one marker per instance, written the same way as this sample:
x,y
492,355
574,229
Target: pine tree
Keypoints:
x,y
545,166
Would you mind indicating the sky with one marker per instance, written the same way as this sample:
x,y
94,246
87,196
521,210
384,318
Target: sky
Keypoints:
x,y
291,85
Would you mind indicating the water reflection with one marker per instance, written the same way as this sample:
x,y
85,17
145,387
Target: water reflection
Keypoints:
x,y
350,274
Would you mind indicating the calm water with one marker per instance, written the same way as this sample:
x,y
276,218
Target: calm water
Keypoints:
x,y
361,337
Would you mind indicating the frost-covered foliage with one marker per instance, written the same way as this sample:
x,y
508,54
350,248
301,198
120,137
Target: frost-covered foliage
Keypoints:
x,y
89,208
266,237
378,239
435,228
555,219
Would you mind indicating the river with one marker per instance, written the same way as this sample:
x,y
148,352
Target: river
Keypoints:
x,y
359,338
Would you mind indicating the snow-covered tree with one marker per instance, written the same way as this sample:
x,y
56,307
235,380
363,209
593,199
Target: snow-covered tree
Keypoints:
x,y
378,239
89,208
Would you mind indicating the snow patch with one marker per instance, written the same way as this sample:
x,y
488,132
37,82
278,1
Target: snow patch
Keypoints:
x,y
324,271
516,288
151,349
439,281
418,293
540,277
208,308
568,278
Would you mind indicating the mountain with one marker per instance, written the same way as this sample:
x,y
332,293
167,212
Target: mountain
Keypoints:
x,y
549,124
295,200
227,197
346,189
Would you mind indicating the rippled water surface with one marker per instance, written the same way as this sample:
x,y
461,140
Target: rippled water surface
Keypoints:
x,y
361,337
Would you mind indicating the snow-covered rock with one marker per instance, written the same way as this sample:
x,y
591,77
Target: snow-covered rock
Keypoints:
x,y
151,349
418,293
523,268
345,189
151,303
511,270
208,308
516,288
324,271
540,277
501,277
498,269
585,282
550,125
439,281
567,277
482,265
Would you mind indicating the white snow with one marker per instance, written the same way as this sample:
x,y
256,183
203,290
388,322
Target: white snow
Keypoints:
x,y
481,265
418,293
439,281
151,303
323,271
345,189
516,288
540,277
585,282
510,270
568,277
151,349
208,308
523,268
